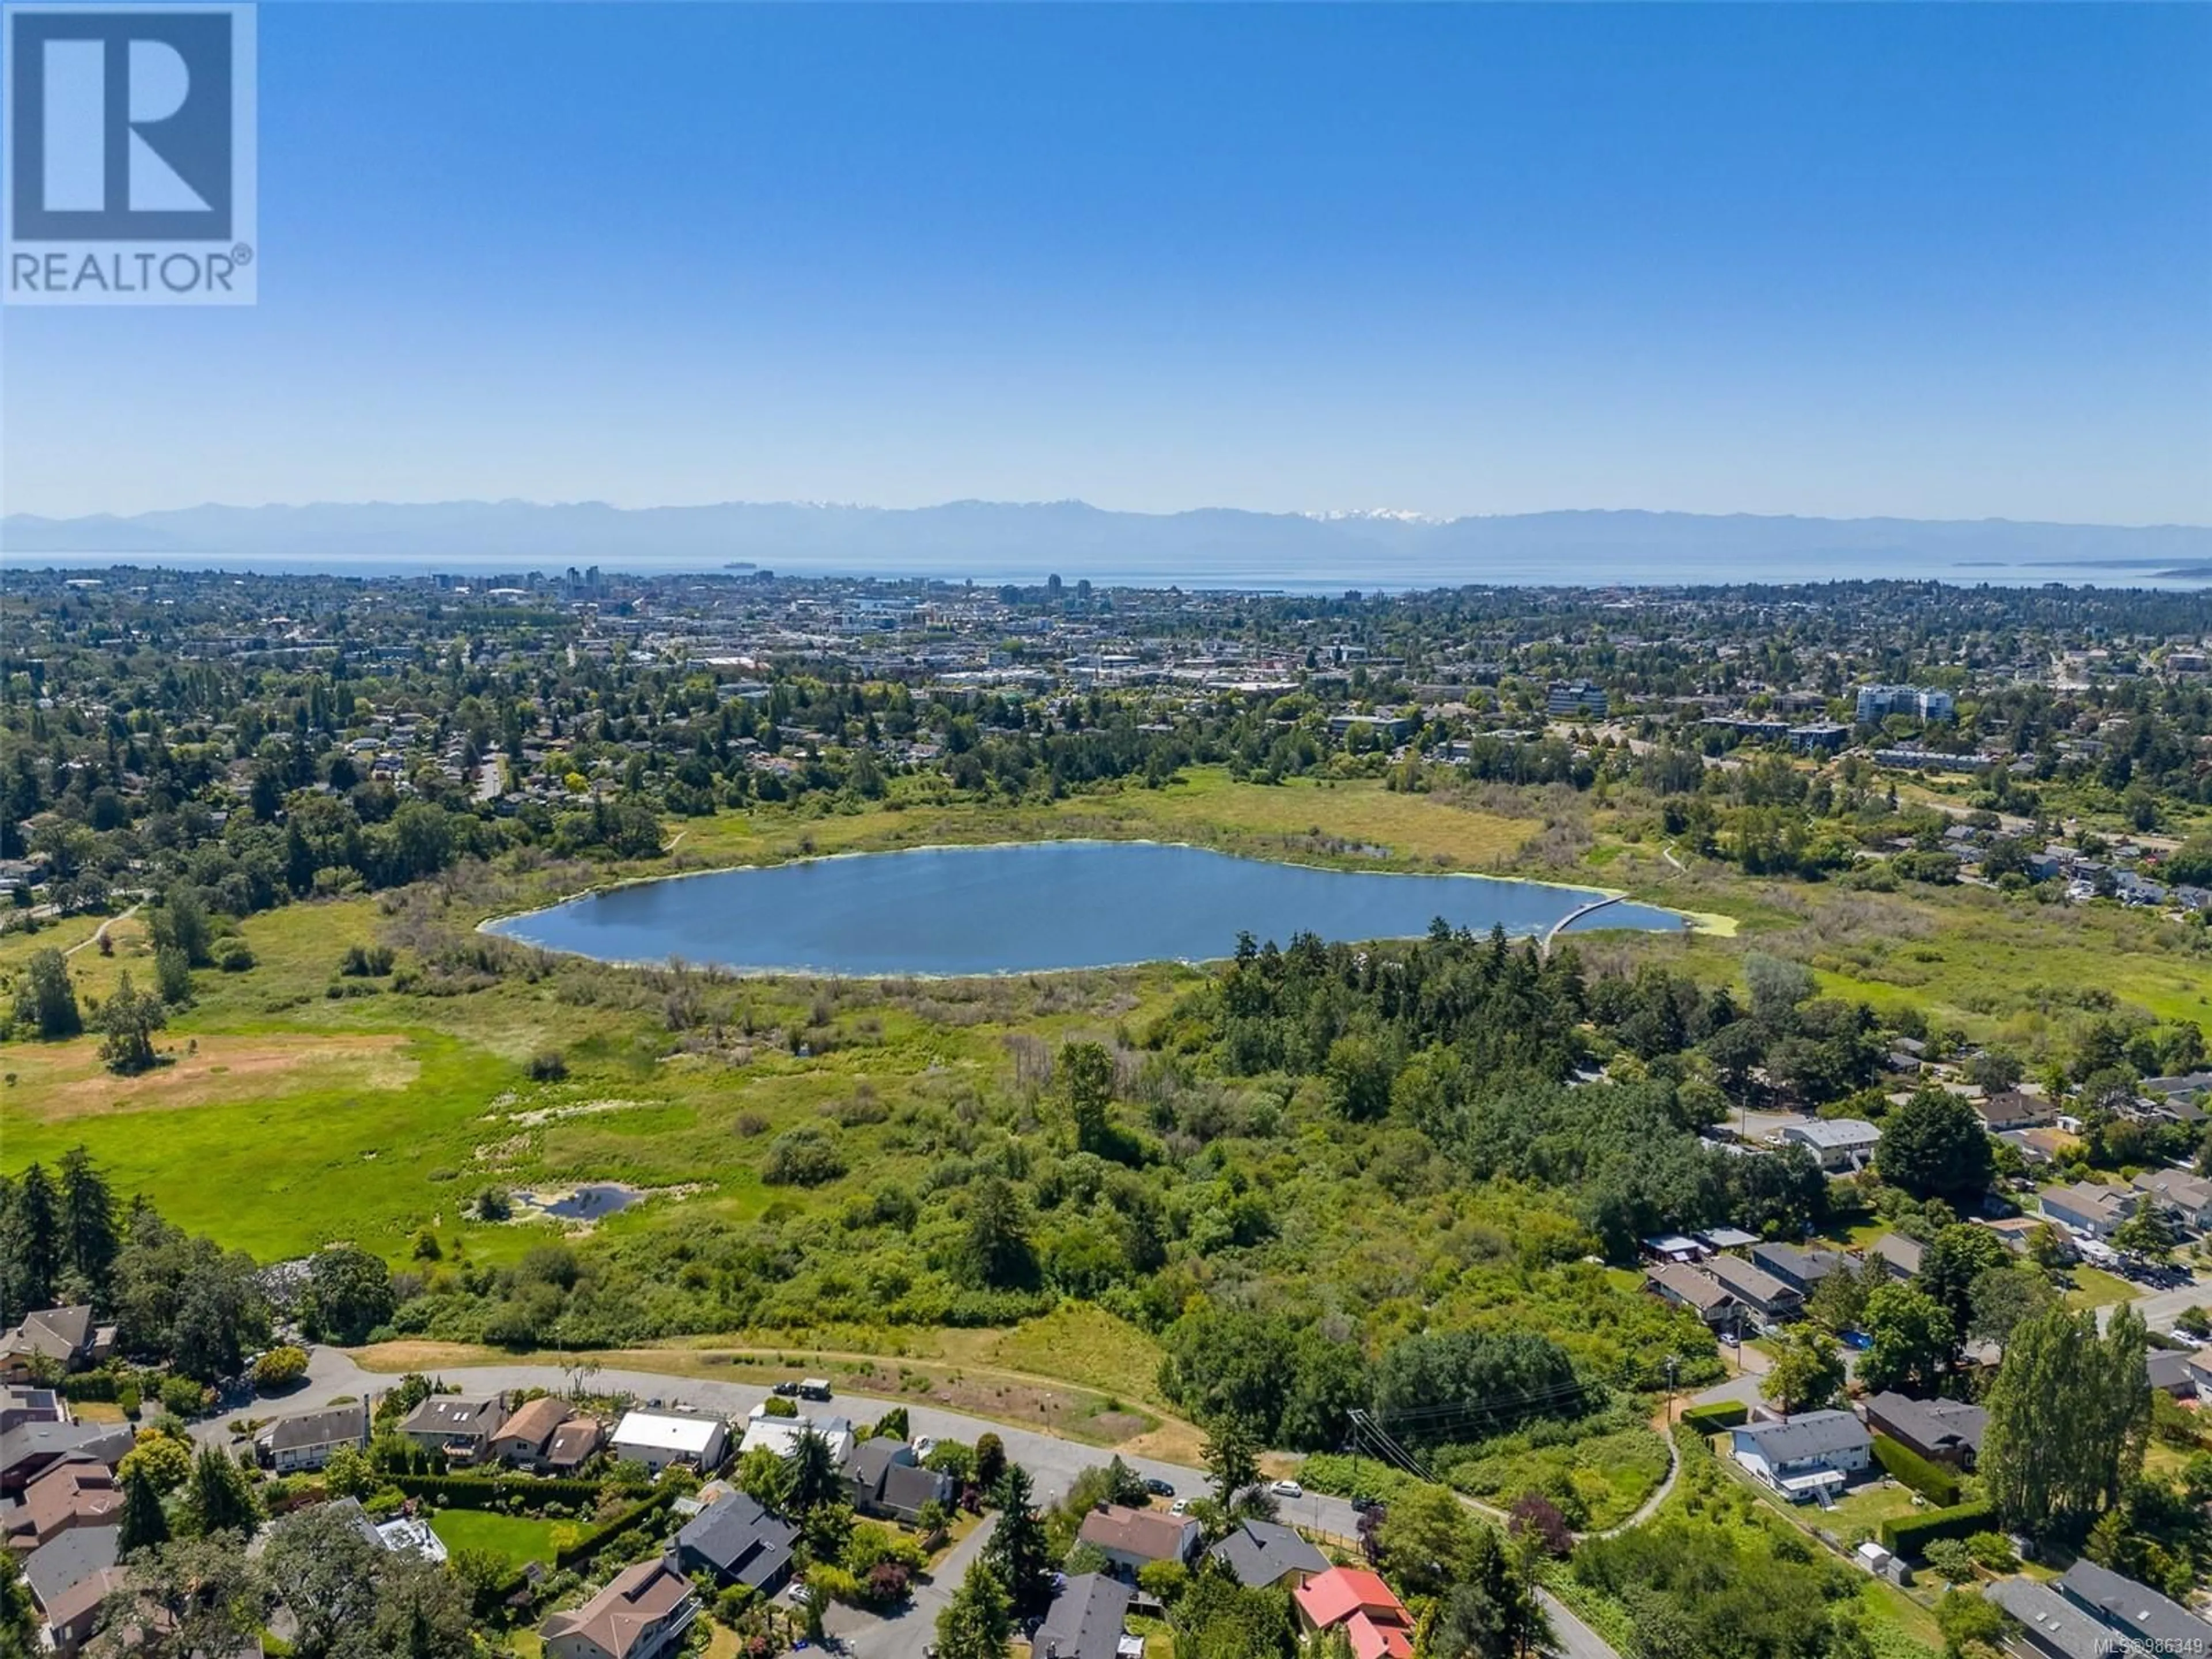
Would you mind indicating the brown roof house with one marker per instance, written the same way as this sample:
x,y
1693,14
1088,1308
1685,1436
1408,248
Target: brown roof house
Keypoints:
x,y
73,1492
573,1445
525,1438
63,1339
641,1614
1701,1293
1133,1538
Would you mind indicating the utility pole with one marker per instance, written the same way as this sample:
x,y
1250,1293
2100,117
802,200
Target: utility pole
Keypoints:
x,y
1673,1361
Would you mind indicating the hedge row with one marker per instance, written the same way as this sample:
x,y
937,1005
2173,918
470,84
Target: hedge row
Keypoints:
x,y
483,1491
599,1537
1910,1535
1938,1484
99,1387
1721,1414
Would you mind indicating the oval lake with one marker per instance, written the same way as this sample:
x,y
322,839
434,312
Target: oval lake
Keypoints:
x,y
1031,908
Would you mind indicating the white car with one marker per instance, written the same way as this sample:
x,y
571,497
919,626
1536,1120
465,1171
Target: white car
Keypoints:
x,y
1180,1506
1287,1489
923,1445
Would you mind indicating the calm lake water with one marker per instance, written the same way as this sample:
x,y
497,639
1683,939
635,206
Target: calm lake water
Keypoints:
x,y
1028,908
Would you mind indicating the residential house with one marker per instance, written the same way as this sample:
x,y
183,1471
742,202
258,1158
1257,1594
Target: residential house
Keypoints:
x,y
66,1560
657,1439
573,1445
2011,1109
1357,1602
738,1542
1688,1287
2170,1372
1842,1143
306,1442
1262,1553
1940,1430
1673,1247
1133,1538
2187,1198
1813,1453
461,1429
1727,1238
1900,1255
65,1338
642,1614
780,1434
20,1404
1801,1270
2050,1144
528,1434
2052,1627
887,1481
1084,1620
2089,1209
28,1449
2122,1605
73,1492
73,1616
1756,1288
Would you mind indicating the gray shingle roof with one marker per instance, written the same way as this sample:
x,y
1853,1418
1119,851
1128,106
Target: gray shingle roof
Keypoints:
x,y
2136,1608
68,1558
1084,1620
740,1540
323,1428
1260,1553
1809,1434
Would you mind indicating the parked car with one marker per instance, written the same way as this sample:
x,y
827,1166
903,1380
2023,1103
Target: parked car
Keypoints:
x,y
788,1390
924,1445
1287,1489
1363,1504
814,1387
1159,1488
1180,1506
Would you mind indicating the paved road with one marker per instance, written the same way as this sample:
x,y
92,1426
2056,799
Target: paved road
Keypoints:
x,y
1053,1463
2162,1308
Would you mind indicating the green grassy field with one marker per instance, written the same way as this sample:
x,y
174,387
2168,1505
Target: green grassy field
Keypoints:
x,y
517,1539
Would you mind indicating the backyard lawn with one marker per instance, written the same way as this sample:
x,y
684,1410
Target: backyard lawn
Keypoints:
x,y
518,1538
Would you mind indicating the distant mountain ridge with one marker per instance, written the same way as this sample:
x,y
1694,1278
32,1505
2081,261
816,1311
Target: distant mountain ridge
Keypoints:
x,y
973,537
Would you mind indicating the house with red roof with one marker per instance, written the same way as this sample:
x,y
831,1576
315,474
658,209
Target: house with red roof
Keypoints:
x,y
1358,1602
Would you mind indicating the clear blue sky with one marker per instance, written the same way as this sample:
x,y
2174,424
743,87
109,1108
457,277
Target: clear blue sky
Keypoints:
x,y
1935,260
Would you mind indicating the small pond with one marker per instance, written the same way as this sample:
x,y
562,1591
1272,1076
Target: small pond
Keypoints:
x,y
1032,907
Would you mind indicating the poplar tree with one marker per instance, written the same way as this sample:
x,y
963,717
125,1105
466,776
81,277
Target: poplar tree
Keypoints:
x,y
2069,1413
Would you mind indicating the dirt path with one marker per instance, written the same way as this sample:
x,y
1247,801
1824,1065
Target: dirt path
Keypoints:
x,y
101,932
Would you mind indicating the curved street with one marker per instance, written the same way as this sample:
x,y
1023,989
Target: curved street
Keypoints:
x,y
1053,1463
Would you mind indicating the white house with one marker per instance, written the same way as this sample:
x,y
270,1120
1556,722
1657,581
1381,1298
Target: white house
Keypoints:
x,y
306,1442
1811,1454
1842,1143
657,1439
780,1434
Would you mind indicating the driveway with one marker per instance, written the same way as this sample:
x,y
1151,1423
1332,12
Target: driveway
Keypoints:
x,y
904,1634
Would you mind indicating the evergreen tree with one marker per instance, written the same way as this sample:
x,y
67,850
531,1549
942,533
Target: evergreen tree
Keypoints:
x,y
1018,1553
89,1235
809,1476
145,1523
977,1621
35,1240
